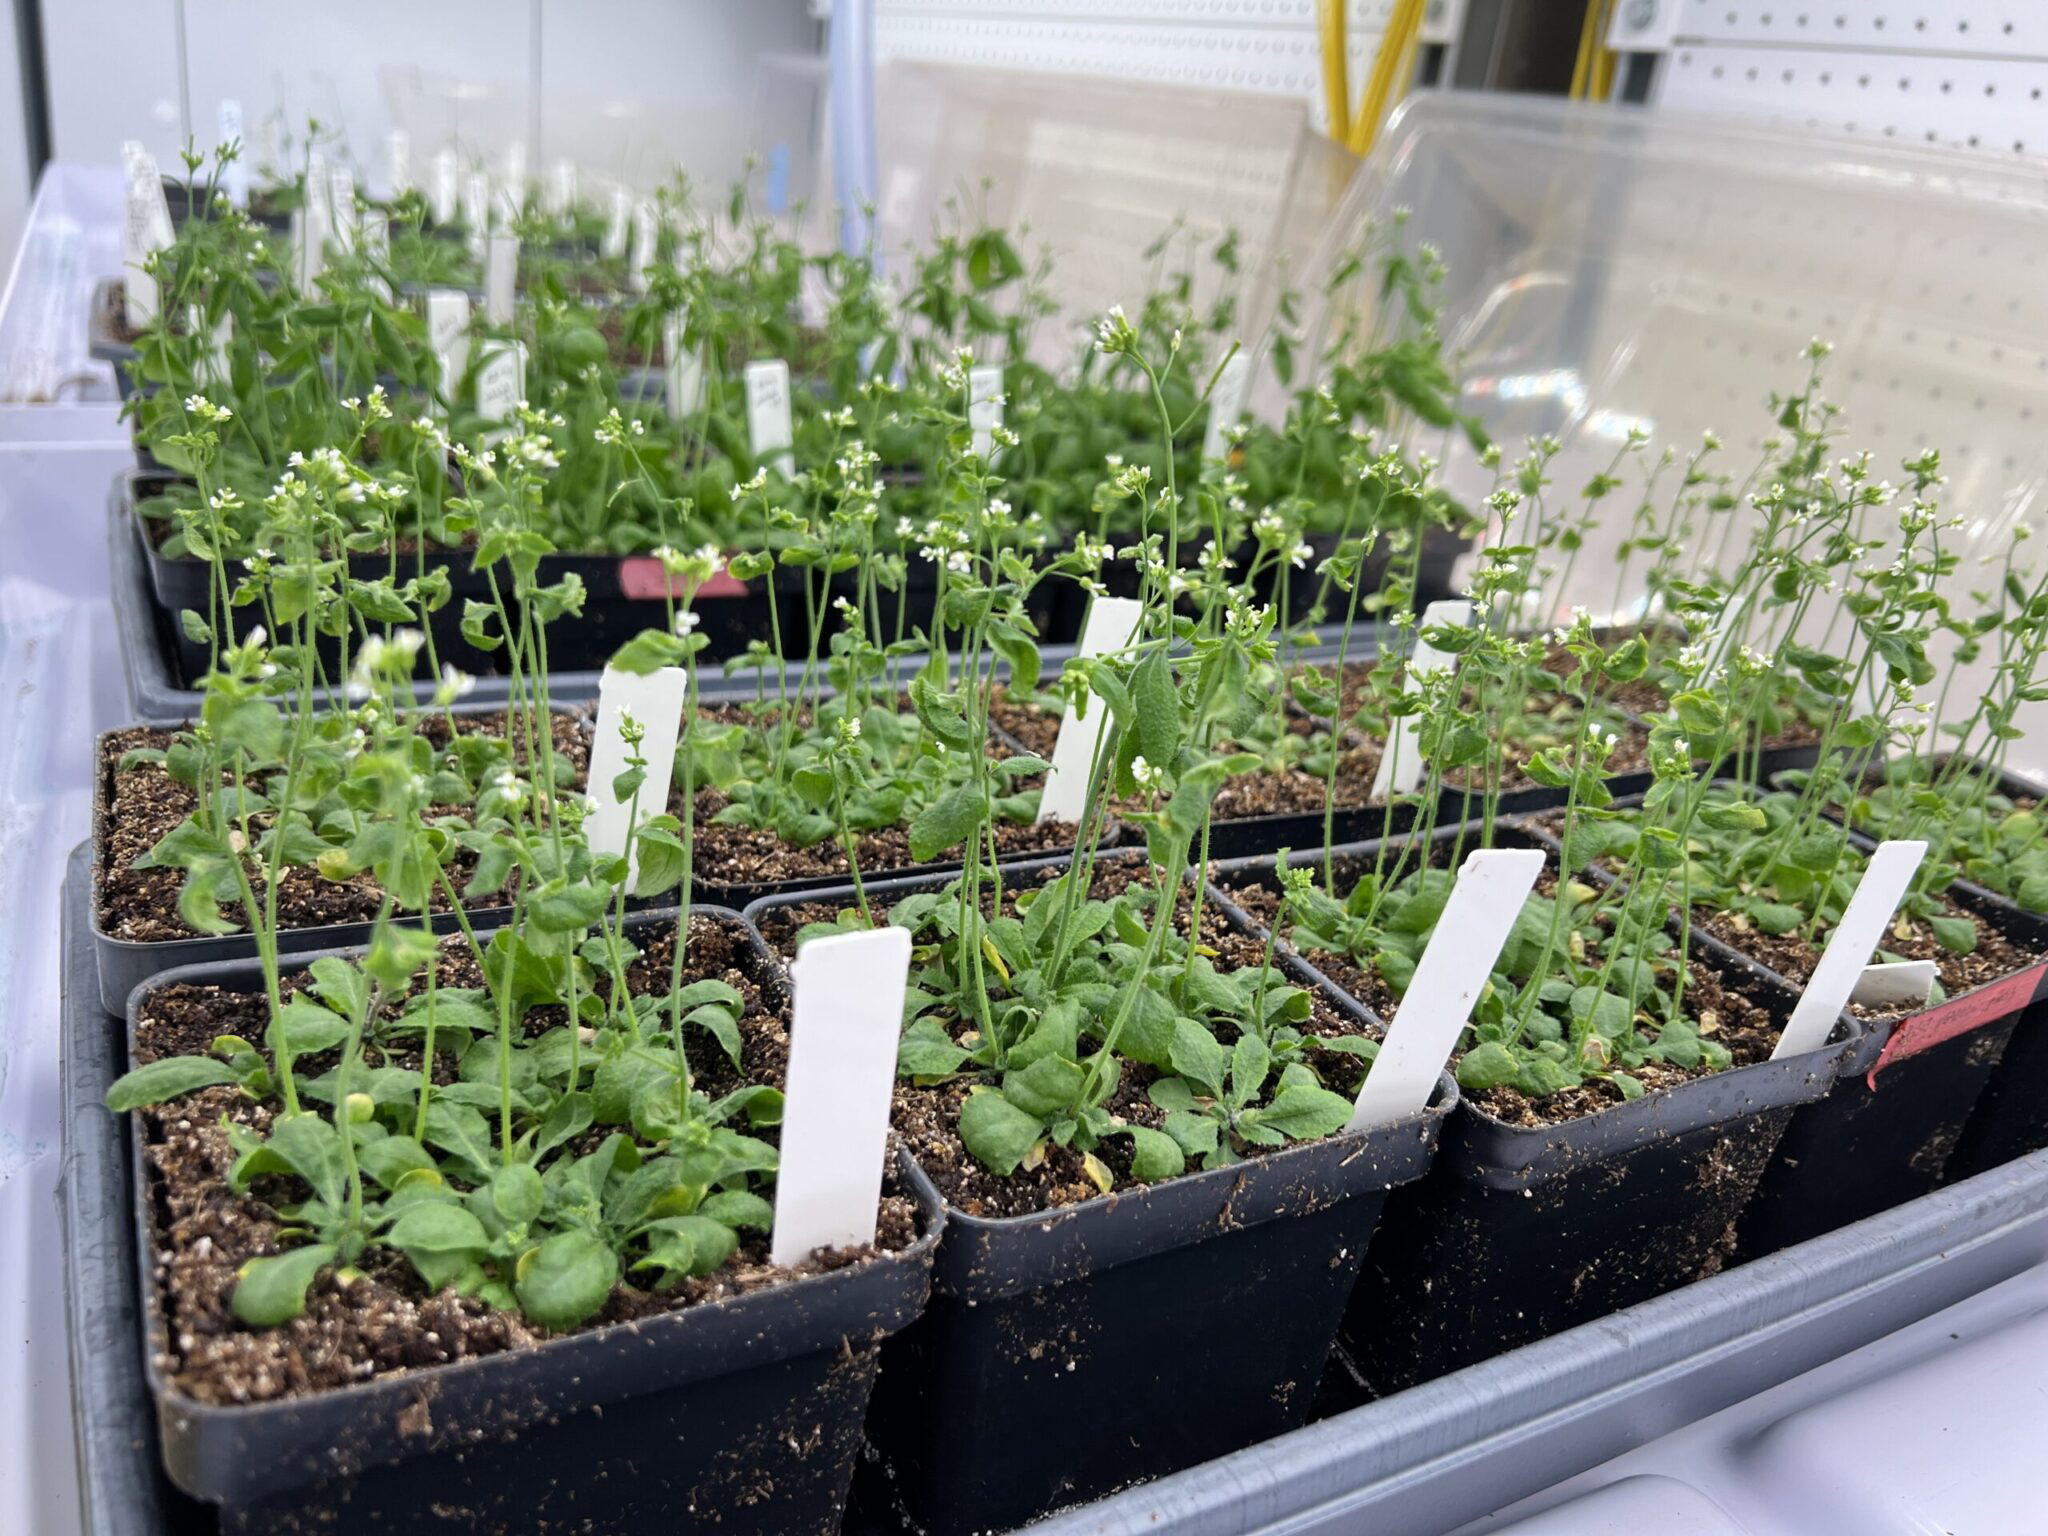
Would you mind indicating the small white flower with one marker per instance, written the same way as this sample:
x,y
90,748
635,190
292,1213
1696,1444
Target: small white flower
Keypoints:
x,y
1145,773
685,621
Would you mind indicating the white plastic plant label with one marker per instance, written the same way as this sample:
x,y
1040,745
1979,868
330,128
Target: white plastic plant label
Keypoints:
x,y
145,229
476,213
376,244
501,273
846,1019
768,425
1112,625
1226,406
1491,888
398,162
1895,984
443,190
562,188
501,381
341,196
646,229
613,245
685,369
984,407
448,334
1850,947
654,702
234,176
1400,769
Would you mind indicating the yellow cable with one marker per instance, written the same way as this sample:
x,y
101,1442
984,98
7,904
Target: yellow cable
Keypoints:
x,y
1396,52
1605,59
1582,65
1336,68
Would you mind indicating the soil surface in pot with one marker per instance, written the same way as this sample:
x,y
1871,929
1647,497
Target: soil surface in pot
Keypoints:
x,y
925,1119
738,855
1792,957
1746,1027
1909,938
141,804
386,1322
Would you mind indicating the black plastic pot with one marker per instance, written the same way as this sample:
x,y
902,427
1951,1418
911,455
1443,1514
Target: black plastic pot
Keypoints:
x,y
1521,1232
2010,1117
744,1413
1075,1351
1882,1136
123,964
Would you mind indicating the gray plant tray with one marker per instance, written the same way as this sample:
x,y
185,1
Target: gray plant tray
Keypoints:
x,y
1442,1454
1425,1461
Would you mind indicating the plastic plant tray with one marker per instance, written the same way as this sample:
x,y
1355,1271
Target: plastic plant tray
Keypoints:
x,y
1420,1461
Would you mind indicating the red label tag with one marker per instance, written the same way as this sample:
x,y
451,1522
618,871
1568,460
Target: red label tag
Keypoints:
x,y
1959,1016
643,577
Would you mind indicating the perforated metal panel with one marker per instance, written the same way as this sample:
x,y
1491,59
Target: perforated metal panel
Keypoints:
x,y
1268,46
1964,73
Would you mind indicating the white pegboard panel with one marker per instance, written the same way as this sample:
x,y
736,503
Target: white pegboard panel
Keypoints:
x,y
1268,46
1987,104
2008,29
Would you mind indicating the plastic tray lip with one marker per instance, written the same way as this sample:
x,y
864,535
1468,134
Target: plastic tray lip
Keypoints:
x,y
1449,1447
700,1318
1801,1078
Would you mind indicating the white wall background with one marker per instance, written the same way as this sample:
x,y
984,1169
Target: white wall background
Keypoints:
x,y
636,82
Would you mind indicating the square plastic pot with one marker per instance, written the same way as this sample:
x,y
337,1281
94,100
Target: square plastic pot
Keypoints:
x,y
1074,1351
1521,1232
742,1414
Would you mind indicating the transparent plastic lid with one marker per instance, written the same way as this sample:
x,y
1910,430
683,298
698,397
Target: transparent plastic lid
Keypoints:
x,y
1611,268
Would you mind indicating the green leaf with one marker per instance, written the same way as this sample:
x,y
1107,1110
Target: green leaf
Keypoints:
x,y
1958,935
1196,1055
308,1027
997,1132
169,1078
1049,1085
1487,1065
739,1208
1154,1155
650,651
947,822
273,1290
1774,917
516,1193
440,1227
1302,1113
687,1245
313,1149
1156,704
566,1279
926,1050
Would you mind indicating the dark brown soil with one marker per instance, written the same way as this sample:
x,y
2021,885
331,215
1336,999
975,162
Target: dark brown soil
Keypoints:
x,y
384,1322
1747,1028
1035,729
925,1119
1907,937
140,805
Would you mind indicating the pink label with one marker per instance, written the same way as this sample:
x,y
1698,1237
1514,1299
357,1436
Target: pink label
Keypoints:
x,y
642,577
1959,1016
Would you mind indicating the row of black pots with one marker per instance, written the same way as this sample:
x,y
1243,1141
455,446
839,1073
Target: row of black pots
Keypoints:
x,y
123,962
747,1412
1520,1232
1086,1316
